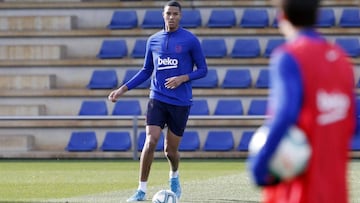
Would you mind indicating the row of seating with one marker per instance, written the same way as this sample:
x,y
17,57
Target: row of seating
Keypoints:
x,y
224,18
217,48
234,78
199,107
220,140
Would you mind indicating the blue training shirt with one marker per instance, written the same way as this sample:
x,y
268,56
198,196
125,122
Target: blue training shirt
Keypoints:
x,y
171,54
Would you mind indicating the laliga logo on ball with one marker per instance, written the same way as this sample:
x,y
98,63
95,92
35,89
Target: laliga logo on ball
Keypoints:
x,y
291,156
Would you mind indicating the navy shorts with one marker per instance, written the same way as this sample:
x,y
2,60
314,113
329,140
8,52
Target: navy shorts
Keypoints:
x,y
161,114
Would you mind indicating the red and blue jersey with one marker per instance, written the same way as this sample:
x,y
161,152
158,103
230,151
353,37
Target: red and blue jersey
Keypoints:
x,y
171,54
312,86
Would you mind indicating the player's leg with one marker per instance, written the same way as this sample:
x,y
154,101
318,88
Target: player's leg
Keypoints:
x,y
155,122
178,116
147,155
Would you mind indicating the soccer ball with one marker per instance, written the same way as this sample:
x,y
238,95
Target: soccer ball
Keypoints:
x,y
164,196
291,156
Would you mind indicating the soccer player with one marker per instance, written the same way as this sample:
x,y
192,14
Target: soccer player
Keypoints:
x,y
312,86
171,54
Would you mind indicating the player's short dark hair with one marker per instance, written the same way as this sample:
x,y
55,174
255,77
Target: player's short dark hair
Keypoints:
x,y
174,3
301,13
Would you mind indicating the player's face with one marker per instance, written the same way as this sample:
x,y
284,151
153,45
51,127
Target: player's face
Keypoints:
x,y
172,16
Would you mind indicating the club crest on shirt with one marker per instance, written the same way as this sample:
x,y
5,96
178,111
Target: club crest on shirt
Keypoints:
x,y
178,48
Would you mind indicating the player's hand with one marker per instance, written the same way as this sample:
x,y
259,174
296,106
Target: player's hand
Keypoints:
x,y
115,94
174,82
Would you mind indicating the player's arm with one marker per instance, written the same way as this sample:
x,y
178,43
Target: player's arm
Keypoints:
x,y
199,60
200,71
137,79
287,91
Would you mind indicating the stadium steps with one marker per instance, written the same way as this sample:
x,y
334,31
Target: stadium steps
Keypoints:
x,y
82,92
16,143
56,4
138,32
39,23
22,109
27,82
32,52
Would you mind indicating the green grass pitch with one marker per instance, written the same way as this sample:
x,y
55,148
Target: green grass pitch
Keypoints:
x,y
107,181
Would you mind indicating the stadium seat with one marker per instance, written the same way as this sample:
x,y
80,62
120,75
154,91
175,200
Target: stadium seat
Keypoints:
x,y
112,49
141,141
153,19
214,48
123,19
130,73
139,49
246,48
103,79
254,18
257,107
219,141
127,108
262,80
190,141
82,141
355,143
350,44
199,107
209,81
237,78
326,18
93,108
245,140
229,107
222,18
116,141
271,45
191,18
350,17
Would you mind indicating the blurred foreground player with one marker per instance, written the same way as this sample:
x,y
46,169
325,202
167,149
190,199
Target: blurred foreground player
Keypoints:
x,y
312,86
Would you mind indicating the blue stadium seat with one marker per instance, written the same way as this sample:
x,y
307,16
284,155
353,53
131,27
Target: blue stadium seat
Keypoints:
x,y
93,108
245,140
229,107
214,48
351,45
191,18
103,79
262,80
141,141
116,141
246,48
139,48
350,17
153,19
82,141
199,107
326,18
237,78
222,18
123,19
219,141
209,81
355,143
190,141
111,49
130,73
257,107
254,18
271,45
127,108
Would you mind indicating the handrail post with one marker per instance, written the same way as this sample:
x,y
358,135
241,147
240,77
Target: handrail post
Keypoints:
x,y
135,129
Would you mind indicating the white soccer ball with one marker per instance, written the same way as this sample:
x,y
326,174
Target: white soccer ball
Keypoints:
x,y
292,155
165,196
